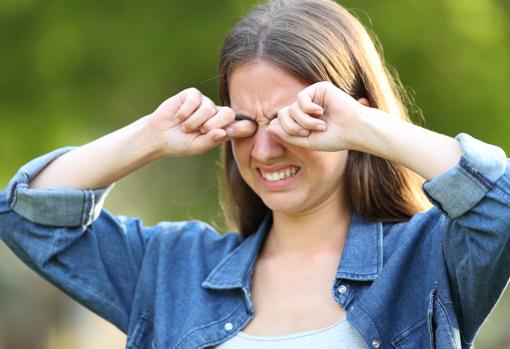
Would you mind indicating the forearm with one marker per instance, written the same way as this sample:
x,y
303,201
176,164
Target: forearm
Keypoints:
x,y
423,151
103,161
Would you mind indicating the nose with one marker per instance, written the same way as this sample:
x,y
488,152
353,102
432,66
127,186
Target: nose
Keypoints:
x,y
266,146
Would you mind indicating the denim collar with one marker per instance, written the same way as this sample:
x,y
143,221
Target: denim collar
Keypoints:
x,y
362,257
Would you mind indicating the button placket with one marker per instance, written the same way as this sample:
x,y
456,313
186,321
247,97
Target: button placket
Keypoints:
x,y
364,324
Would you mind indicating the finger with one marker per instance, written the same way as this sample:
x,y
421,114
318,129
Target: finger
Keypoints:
x,y
203,143
223,117
206,110
305,101
276,129
305,120
241,129
289,125
191,99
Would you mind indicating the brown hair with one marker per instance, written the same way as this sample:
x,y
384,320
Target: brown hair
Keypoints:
x,y
318,40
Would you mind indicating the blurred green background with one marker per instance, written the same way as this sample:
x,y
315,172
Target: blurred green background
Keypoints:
x,y
71,72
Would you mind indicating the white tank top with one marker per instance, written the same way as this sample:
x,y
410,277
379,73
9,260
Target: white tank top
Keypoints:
x,y
339,335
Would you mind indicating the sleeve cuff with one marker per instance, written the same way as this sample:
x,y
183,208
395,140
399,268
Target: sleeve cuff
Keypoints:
x,y
460,188
64,207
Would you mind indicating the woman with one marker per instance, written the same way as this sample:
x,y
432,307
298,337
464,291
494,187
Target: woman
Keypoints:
x,y
336,246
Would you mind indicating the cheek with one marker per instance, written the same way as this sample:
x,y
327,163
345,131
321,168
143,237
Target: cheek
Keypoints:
x,y
333,165
241,151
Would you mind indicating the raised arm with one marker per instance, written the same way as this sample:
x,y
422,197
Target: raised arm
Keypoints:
x,y
353,125
467,180
185,124
51,213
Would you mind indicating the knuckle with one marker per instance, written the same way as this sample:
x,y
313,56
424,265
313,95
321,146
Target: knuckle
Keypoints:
x,y
210,109
193,91
205,128
309,123
294,110
195,101
228,112
295,130
208,125
187,125
194,96
291,128
182,114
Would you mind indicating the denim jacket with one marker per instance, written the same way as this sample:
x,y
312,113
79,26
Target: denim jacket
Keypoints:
x,y
428,282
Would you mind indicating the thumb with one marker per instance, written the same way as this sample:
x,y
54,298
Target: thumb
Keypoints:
x,y
203,143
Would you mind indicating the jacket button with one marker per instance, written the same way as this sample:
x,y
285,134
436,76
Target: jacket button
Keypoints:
x,y
228,326
342,289
376,343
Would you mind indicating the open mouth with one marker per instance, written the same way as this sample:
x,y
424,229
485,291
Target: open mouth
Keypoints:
x,y
281,174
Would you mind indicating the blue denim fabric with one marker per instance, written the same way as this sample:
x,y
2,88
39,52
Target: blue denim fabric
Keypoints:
x,y
425,283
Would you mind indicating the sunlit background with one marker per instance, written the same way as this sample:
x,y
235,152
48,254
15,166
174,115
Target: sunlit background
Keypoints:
x,y
72,71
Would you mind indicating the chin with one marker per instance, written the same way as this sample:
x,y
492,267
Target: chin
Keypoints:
x,y
283,204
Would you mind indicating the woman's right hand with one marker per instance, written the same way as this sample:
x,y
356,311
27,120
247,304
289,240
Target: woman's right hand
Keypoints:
x,y
185,124
190,123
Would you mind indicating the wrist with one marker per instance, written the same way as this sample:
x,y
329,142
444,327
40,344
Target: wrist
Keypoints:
x,y
146,142
423,151
365,133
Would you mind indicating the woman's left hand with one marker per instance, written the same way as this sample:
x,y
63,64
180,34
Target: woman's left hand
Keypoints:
x,y
321,118
352,124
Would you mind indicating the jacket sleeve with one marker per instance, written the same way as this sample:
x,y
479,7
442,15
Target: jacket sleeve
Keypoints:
x,y
475,195
64,235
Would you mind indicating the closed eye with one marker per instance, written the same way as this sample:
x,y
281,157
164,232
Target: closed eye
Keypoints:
x,y
240,117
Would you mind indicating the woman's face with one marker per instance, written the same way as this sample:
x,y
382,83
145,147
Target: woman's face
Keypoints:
x,y
287,178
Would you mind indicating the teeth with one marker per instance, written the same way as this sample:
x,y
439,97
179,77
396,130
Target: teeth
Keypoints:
x,y
276,176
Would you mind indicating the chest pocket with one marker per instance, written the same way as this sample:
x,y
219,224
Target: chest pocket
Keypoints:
x,y
142,335
437,331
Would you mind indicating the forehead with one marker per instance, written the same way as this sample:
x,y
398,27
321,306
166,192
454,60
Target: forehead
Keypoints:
x,y
260,88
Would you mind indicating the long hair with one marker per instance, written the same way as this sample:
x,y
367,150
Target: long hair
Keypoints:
x,y
318,40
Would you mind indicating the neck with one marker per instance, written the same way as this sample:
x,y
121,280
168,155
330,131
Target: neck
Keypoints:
x,y
322,230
